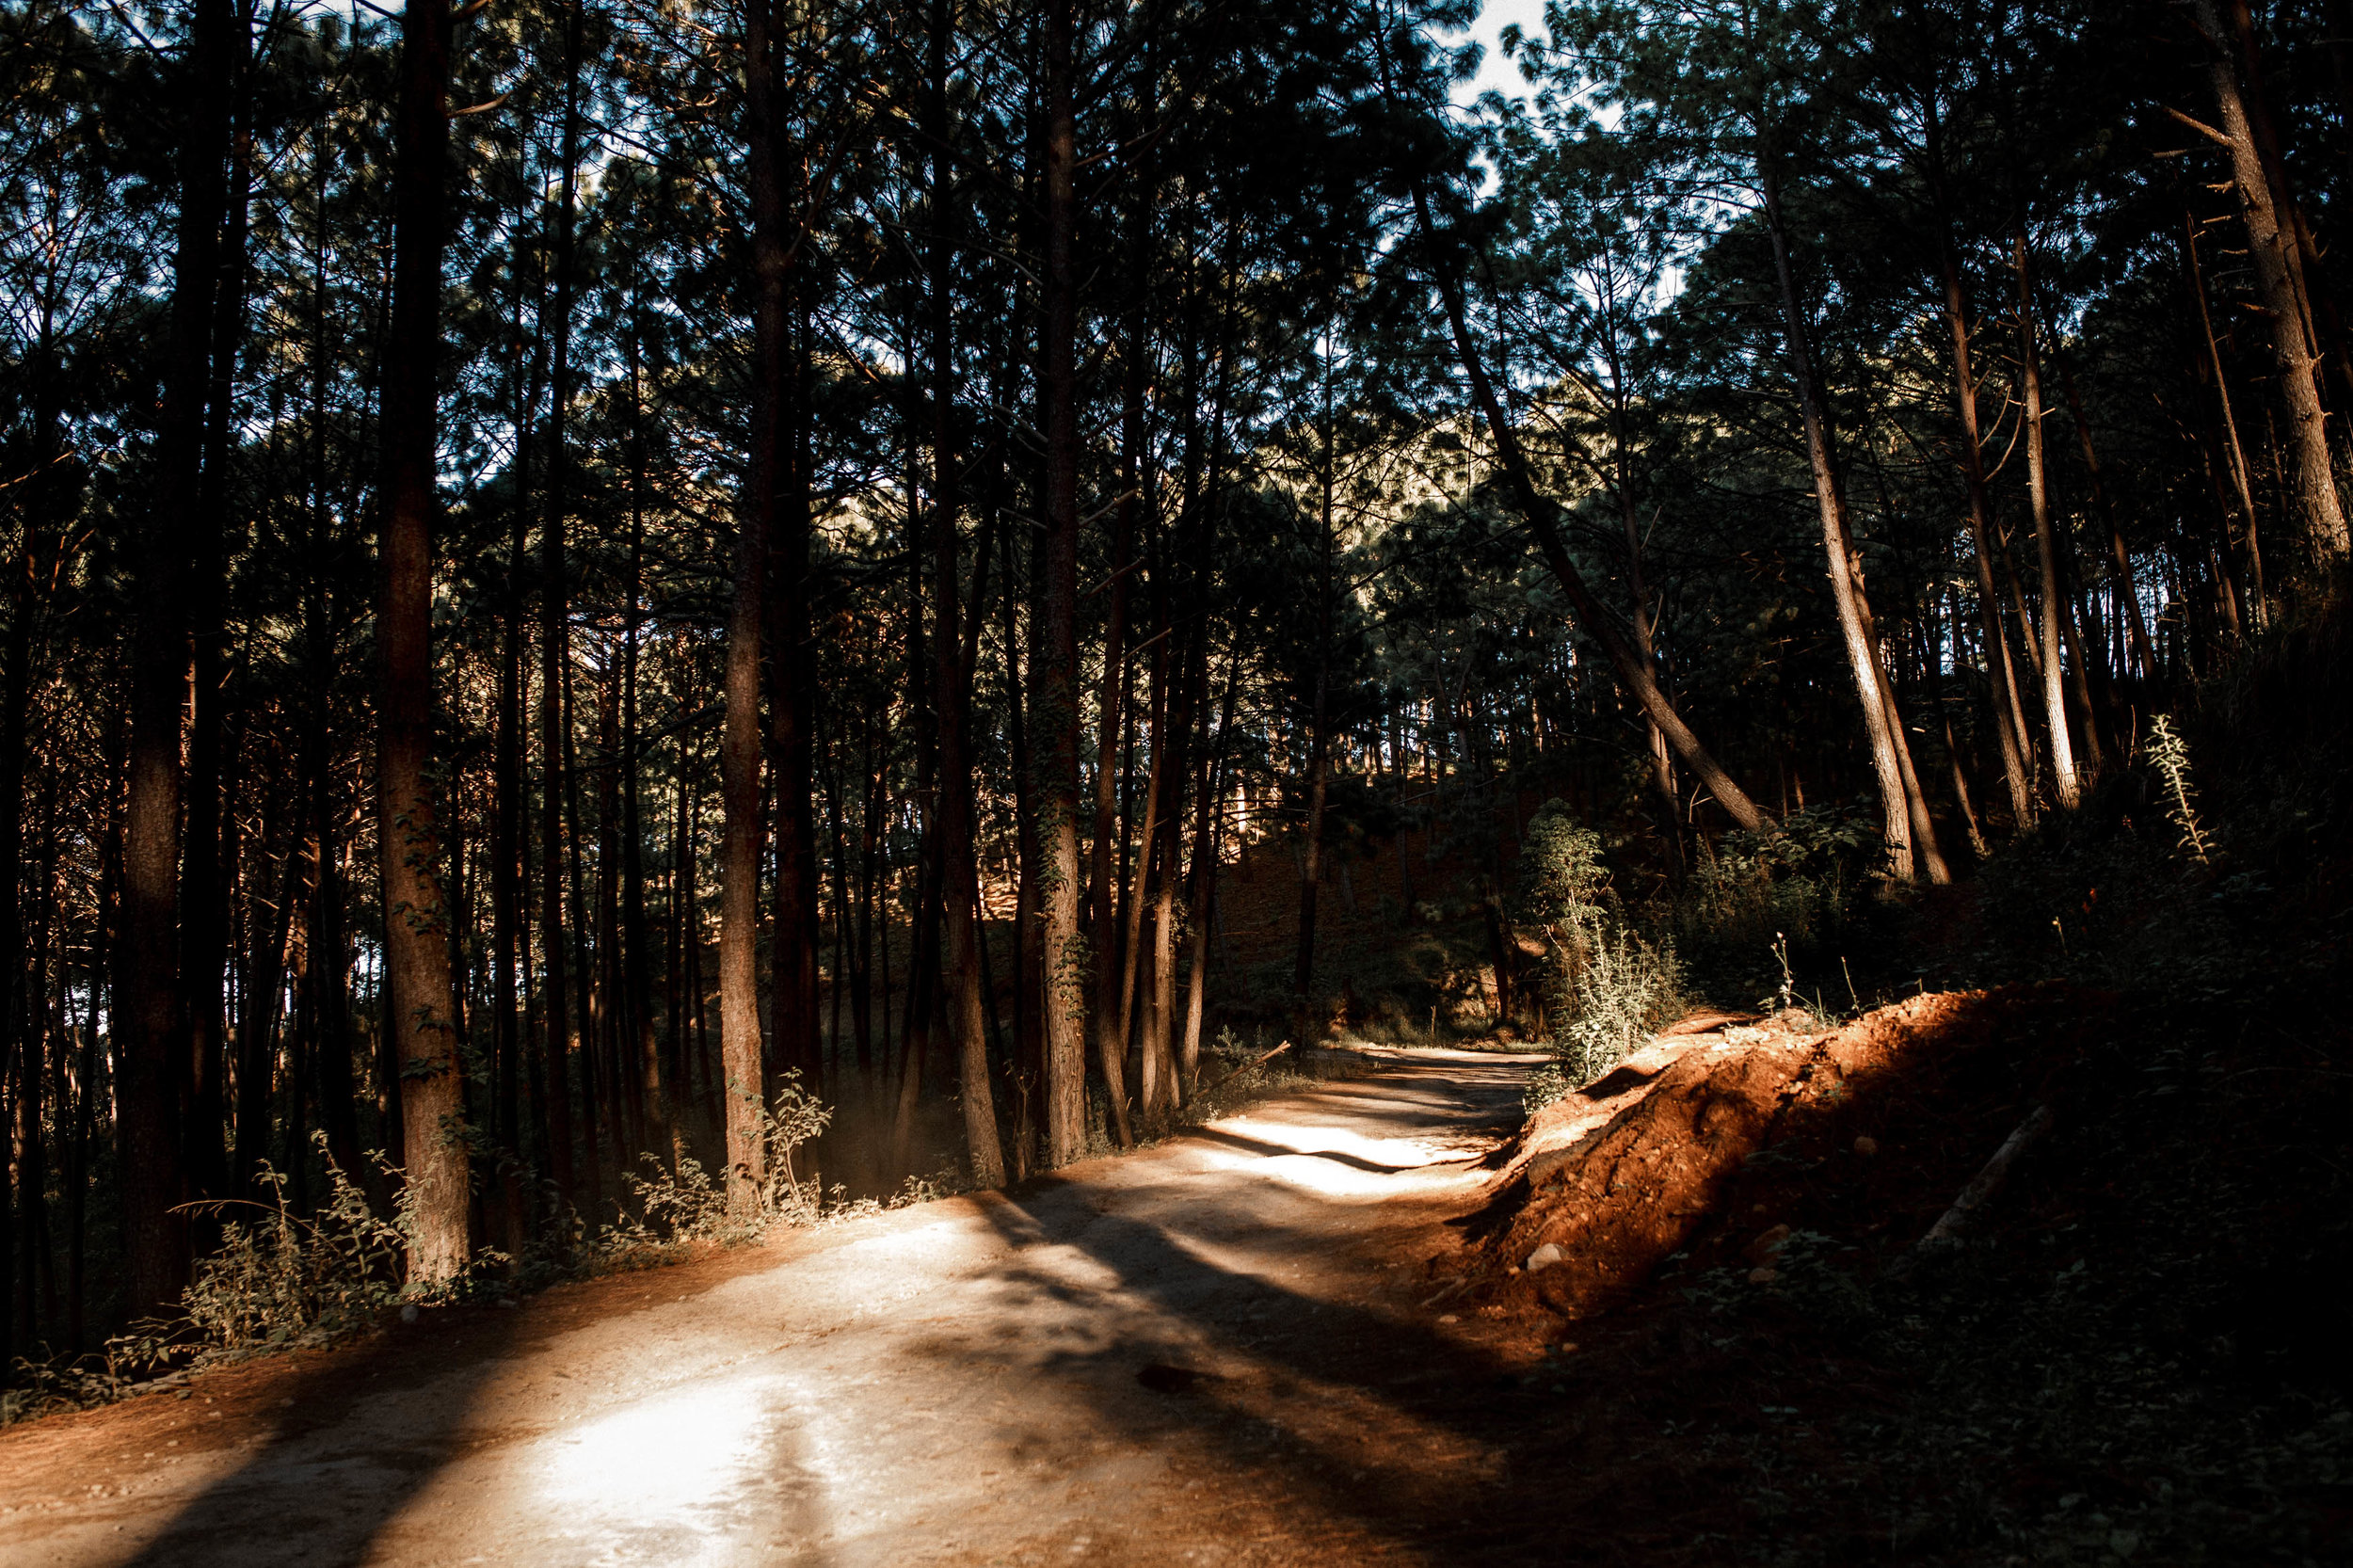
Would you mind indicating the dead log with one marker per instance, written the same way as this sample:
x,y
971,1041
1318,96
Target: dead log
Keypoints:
x,y
1951,1228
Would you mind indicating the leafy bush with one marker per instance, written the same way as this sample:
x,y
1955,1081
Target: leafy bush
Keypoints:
x,y
277,1276
684,1207
1544,1085
1609,986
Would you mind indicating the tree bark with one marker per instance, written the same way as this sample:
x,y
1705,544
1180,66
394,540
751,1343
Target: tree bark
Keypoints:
x,y
148,1002
1911,837
1054,660
959,871
654,1095
2270,243
745,1094
2065,783
205,873
562,1040
1320,741
420,1005
2243,493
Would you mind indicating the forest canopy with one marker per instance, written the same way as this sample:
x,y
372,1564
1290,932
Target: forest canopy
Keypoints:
x,y
594,584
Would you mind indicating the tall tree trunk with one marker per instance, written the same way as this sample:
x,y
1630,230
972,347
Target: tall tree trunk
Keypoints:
x,y
1319,739
508,869
2010,726
952,675
2037,492
420,1003
149,1001
1054,660
2126,589
1104,875
661,1137
1911,837
2324,325
205,877
562,1027
1029,901
1622,474
2242,492
793,696
2271,242
738,748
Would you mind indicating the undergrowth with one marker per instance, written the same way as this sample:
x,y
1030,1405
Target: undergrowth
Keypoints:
x,y
2144,1360
280,1279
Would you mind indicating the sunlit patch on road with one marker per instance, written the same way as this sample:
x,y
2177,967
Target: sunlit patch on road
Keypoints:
x,y
674,1467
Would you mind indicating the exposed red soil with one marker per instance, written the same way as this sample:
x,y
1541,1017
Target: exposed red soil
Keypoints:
x,y
1633,1169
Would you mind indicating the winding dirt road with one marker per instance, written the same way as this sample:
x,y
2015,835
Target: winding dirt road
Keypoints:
x,y
1214,1350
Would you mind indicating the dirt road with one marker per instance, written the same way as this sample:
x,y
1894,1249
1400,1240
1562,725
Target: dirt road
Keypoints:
x,y
1210,1351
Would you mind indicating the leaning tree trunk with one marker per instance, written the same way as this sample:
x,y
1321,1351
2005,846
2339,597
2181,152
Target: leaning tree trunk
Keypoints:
x,y
1538,513
420,1007
2010,716
2232,450
2271,244
1911,837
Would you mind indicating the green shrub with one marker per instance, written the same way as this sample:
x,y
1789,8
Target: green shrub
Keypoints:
x,y
1607,985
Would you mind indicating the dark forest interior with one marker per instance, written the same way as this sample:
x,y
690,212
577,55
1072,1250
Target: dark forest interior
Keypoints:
x,y
636,627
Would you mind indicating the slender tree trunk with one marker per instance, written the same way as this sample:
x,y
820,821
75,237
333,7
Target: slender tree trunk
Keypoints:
x,y
1910,838
1319,739
205,876
2001,674
2236,453
2046,549
792,699
1202,884
1539,513
1054,660
1621,472
636,938
421,1006
959,871
2126,589
1029,901
1114,962
562,1040
507,870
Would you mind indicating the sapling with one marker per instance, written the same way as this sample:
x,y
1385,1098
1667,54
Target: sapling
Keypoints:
x,y
2171,755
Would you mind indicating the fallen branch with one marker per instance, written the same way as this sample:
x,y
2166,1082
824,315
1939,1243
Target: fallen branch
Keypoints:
x,y
1254,1061
1949,1230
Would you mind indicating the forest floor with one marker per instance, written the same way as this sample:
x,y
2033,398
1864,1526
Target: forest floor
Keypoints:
x,y
1304,1335
1214,1349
